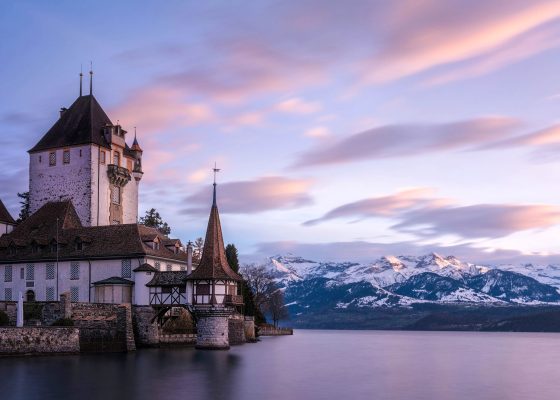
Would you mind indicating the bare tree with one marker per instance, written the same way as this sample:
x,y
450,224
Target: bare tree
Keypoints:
x,y
197,251
276,306
261,282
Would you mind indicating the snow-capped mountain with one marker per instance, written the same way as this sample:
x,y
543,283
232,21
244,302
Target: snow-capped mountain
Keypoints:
x,y
404,280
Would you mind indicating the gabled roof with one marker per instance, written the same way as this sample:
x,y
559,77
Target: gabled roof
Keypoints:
x,y
111,241
169,278
5,216
82,123
213,263
145,268
114,280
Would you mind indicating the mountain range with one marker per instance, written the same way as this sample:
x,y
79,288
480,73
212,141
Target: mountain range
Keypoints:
x,y
314,289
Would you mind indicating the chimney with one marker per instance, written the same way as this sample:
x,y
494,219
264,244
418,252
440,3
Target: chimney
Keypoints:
x,y
62,111
189,257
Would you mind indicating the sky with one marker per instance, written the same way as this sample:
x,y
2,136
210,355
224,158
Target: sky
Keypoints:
x,y
343,130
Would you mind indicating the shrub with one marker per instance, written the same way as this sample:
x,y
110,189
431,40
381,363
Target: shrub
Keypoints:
x,y
63,322
4,320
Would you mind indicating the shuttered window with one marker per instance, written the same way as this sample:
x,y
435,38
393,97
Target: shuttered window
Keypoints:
x,y
126,269
8,273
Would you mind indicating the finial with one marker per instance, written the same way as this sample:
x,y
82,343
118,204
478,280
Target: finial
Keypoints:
x,y
135,134
90,78
216,170
81,77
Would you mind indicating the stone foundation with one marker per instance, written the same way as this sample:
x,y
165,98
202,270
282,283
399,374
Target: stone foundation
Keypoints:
x,y
39,340
212,328
146,332
236,330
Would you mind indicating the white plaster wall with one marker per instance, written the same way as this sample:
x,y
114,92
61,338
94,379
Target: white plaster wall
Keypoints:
x,y
175,265
40,283
62,181
130,202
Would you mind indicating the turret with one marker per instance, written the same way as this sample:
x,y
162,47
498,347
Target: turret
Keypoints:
x,y
137,150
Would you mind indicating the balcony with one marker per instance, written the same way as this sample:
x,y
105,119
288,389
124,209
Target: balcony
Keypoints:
x,y
118,176
233,300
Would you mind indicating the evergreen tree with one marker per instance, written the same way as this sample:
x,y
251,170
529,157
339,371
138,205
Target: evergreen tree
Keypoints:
x,y
232,257
24,211
154,220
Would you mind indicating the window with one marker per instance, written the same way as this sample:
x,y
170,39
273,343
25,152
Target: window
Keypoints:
x,y
169,267
79,244
8,294
74,293
102,157
30,272
183,268
52,158
126,269
74,270
34,248
22,273
40,159
8,273
49,294
49,271
157,265
66,157
203,289
116,158
54,247
12,250
129,165
115,195
80,152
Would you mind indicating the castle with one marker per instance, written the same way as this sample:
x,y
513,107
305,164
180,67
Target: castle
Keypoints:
x,y
83,238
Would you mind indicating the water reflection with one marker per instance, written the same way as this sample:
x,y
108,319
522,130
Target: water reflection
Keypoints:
x,y
310,365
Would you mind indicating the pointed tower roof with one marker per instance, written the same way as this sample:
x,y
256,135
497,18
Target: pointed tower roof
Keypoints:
x,y
135,145
213,263
5,215
82,123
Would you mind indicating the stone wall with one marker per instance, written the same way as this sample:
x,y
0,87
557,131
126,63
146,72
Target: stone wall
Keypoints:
x,y
39,340
104,327
236,330
267,330
177,339
250,335
212,329
145,331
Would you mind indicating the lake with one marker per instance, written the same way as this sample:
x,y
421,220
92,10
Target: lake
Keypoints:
x,y
310,365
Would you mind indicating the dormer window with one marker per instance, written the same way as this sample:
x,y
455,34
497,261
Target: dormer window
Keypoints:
x,y
156,245
12,250
79,244
34,248
54,247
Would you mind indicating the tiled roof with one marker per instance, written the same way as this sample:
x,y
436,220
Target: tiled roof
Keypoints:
x,y
5,216
113,241
114,280
82,123
168,278
145,268
213,263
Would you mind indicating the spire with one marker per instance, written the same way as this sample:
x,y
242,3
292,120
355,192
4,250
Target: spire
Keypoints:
x,y
81,77
213,263
90,78
135,145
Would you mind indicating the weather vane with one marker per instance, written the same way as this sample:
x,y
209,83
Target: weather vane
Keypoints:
x,y
216,170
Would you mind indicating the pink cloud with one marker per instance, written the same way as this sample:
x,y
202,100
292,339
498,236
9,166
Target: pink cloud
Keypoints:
x,y
296,105
406,140
248,197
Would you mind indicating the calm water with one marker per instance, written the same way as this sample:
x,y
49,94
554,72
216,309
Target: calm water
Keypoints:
x,y
309,365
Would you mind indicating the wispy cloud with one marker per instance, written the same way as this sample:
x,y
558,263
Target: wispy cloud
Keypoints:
x,y
405,140
419,212
296,105
254,196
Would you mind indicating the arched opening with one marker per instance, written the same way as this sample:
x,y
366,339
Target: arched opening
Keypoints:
x,y
30,295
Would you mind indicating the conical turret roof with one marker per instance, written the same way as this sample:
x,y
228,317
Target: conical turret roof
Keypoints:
x,y
213,263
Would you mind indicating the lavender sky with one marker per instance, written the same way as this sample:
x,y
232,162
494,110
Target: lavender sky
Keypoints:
x,y
344,130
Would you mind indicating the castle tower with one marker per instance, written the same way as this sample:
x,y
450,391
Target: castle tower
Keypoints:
x,y
84,158
214,288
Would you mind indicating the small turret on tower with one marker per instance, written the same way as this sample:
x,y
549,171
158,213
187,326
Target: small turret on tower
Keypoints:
x,y
137,150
